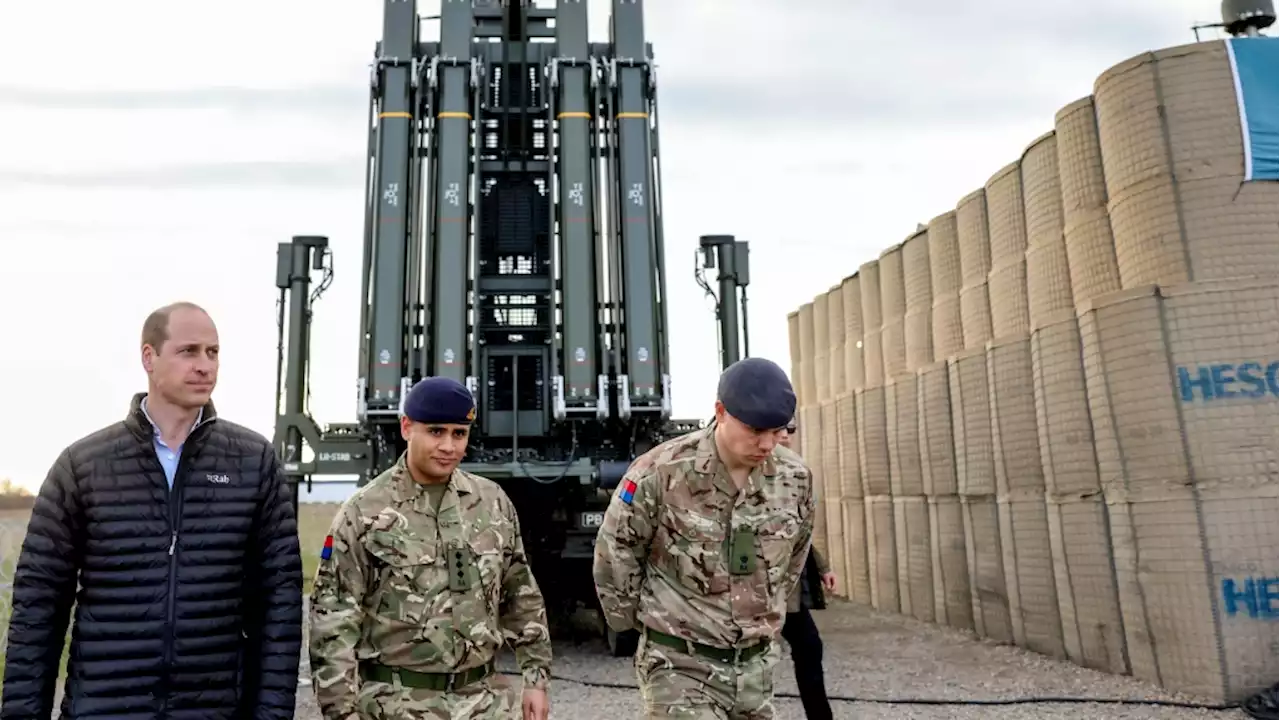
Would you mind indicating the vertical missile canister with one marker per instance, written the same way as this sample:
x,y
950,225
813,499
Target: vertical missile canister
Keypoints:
x,y
397,122
629,76
575,116
451,233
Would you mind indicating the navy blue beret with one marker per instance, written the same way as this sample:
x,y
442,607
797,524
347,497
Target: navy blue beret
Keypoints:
x,y
758,393
440,400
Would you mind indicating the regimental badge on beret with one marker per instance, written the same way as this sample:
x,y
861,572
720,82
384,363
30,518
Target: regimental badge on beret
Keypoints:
x,y
440,400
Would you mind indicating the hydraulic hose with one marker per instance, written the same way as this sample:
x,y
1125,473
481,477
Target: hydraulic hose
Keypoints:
x,y
1033,700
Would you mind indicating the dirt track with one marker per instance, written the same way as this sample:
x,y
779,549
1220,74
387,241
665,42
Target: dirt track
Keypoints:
x,y
877,656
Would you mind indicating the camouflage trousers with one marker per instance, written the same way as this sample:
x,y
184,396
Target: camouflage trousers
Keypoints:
x,y
675,684
494,698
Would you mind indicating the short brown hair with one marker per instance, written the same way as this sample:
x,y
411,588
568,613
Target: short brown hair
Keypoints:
x,y
155,329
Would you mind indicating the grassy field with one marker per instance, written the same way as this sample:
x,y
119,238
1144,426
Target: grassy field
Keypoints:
x,y
313,524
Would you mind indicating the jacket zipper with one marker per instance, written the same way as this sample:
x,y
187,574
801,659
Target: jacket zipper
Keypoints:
x,y
175,522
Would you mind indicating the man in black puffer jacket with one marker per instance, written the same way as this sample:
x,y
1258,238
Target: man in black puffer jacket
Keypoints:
x,y
180,533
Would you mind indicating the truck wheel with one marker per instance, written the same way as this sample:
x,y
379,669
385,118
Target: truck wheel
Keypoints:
x,y
622,644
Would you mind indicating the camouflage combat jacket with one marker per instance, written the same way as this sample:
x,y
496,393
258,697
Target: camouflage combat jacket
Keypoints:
x,y
382,591
662,556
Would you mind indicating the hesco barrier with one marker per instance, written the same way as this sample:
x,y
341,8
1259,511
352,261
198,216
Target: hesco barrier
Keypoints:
x,y
847,444
1007,231
937,448
1086,586
808,392
872,354
915,561
910,510
944,274
975,479
953,604
856,565
793,338
917,285
855,523
836,333
1169,127
1086,227
1048,277
821,350
903,436
882,556
1057,426
975,264
810,424
873,451
892,310
944,255
855,374
1024,524
873,442
833,488
1183,394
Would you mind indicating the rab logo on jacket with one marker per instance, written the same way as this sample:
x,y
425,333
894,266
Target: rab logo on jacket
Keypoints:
x,y
218,479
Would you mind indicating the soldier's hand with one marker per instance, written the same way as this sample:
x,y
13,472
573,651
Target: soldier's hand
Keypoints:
x,y
829,581
536,705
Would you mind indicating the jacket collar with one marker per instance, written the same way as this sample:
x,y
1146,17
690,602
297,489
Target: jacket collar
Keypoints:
x,y
139,422
407,489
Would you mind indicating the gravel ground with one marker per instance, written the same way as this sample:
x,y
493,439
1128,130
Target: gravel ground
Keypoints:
x,y
877,656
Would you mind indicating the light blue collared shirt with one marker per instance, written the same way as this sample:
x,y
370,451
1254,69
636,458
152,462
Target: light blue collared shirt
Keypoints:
x,y
168,456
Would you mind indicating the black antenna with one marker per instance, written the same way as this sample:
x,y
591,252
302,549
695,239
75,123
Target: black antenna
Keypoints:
x,y
1242,18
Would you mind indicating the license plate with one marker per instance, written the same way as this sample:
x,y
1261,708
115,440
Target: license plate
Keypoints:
x,y
591,520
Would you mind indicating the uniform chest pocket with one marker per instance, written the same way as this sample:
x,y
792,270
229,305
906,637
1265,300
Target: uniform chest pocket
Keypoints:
x,y
409,571
487,552
691,548
778,536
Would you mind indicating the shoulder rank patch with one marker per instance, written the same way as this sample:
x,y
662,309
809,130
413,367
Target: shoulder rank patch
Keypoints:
x,y
628,490
327,550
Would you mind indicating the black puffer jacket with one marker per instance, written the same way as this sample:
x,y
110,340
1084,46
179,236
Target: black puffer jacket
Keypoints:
x,y
189,603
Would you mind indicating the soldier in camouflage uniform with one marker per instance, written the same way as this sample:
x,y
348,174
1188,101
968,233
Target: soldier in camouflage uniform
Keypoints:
x,y
701,546
421,580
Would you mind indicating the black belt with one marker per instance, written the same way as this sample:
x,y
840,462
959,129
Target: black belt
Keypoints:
x,y
441,681
724,655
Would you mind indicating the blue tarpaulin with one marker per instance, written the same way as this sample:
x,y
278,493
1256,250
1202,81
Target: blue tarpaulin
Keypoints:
x,y
1255,67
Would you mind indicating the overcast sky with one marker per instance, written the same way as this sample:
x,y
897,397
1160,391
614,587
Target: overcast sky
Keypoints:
x,y
157,150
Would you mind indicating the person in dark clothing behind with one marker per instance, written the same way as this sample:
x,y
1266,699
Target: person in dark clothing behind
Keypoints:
x,y
179,530
799,630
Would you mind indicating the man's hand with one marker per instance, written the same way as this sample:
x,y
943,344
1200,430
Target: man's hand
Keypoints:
x,y
535,704
829,582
